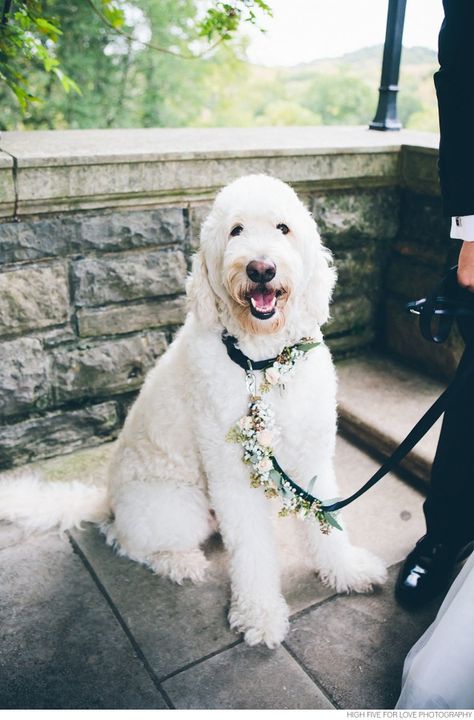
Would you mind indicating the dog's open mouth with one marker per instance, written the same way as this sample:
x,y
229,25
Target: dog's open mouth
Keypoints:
x,y
263,301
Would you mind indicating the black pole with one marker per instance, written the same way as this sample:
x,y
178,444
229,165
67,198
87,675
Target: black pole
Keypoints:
x,y
6,9
386,115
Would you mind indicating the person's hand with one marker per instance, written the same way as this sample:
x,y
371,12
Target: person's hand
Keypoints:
x,y
466,266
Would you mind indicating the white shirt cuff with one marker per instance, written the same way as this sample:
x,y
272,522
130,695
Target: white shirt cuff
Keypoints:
x,y
462,228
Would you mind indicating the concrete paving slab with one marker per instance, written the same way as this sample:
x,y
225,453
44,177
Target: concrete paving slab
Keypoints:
x,y
61,646
380,400
174,625
389,518
354,646
244,678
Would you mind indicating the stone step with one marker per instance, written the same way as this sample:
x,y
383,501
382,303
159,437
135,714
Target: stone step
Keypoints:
x,y
380,400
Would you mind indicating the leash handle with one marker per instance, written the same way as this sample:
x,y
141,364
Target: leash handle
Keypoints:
x,y
445,303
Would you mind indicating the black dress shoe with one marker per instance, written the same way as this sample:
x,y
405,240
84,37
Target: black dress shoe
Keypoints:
x,y
427,571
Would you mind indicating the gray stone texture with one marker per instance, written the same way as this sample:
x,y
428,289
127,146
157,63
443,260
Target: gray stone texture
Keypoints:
x,y
175,625
406,393
110,367
36,239
129,276
117,231
370,652
349,315
57,433
198,213
132,317
33,297
110,231
23,376
244,678
345,217
62,646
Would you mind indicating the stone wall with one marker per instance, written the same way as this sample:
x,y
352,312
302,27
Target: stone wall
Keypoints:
x,y
91,287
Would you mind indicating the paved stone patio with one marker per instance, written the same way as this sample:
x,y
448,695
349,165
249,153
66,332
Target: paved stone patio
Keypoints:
x,y
84,628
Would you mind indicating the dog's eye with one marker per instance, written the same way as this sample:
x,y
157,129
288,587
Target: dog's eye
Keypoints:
x,y
236,230
284,228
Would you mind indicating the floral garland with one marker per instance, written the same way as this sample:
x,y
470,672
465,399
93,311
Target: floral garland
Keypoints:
x,y
256,432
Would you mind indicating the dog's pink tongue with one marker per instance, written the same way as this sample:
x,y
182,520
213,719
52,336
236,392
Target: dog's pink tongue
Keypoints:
x,y
263,298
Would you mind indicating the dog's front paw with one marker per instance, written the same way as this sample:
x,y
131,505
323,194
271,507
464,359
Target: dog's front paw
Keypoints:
x,y
358,571
180,566
265,623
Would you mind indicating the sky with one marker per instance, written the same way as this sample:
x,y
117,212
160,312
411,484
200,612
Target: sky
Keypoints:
x,y
305,30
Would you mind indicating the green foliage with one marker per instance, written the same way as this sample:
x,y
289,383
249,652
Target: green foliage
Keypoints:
x,y
224,20
108,50
340,98
27,39
34,34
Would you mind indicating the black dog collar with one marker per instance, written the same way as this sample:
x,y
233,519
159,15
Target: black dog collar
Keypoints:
x,y
242,360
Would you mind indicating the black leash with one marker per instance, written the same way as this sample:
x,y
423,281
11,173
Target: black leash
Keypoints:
x,y
447,302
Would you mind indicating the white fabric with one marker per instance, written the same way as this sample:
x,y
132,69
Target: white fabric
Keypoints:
x,y
439,669
462,228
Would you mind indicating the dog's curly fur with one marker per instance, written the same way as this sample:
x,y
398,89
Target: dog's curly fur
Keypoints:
x,y
172,464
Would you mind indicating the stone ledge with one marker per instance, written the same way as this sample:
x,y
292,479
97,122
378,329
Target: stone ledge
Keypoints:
x,y
7,185
65,170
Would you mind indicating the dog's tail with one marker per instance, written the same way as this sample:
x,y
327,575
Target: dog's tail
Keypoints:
x,y
38,505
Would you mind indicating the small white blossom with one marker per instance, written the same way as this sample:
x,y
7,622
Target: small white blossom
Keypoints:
x,y
265,438
265,465
272,375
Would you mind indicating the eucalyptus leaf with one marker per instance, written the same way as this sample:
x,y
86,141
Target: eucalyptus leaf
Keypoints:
x,y
332,520
305,346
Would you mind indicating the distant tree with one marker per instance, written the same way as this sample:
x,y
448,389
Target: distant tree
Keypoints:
x,y
32,33
340,99
287,112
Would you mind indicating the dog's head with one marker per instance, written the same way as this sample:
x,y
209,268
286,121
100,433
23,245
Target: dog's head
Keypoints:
x,y
261,261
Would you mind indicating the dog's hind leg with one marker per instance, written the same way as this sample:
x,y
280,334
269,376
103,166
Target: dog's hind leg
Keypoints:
x,y
162,525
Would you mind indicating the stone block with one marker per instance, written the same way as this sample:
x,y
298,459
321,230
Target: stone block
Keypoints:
x,y
175,625
344,217
410,279
116,231
24,376
35,239
110,367
198,213
244,678
351,343
130,276
355,645
422,222
121,319
403,337
358,268
57,433
349,315
7,186
62,647
33,297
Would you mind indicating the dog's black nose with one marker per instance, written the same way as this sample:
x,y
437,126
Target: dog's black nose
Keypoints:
x,y
261,271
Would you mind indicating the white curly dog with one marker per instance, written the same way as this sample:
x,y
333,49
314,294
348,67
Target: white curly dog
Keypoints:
x,y
263,275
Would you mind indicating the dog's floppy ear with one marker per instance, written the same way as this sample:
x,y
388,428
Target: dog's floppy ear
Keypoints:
x,y
321,281
201,299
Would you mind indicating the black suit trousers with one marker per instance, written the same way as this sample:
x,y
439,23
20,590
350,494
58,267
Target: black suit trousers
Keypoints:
x,y
449,507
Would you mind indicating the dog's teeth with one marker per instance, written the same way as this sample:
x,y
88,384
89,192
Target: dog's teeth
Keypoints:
x,y
264,308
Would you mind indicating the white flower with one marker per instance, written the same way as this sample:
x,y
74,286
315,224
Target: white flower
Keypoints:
x,y
265,465
245,423
264,438
272,375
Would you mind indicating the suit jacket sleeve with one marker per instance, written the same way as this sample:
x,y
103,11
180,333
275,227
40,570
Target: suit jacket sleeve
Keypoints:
x,y
455,90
